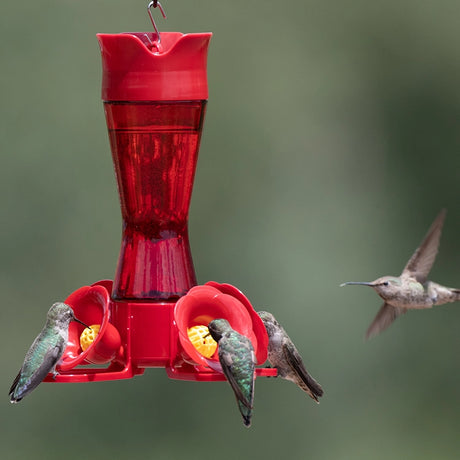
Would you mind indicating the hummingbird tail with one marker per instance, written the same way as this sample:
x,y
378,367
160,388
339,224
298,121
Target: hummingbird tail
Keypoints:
x,y
246,414
247,420
14,399
311,387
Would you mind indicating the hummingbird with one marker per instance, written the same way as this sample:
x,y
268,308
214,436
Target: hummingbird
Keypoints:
x,y
45,351
411,290
237,358
283,355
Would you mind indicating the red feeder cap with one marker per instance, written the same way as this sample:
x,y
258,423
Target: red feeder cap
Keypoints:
x,y
136,68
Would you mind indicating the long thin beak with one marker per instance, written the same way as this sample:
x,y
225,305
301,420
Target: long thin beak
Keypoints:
x,y
363,283
81,322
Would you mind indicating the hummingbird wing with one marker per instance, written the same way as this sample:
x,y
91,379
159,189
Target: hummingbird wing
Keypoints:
x,y
385,316
31,374
226,363
311,386
422,260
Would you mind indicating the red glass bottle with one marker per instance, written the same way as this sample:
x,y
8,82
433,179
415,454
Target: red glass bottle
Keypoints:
x,y
155,148
154,104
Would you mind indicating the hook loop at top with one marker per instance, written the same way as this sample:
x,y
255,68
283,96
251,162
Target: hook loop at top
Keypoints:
x,y
154,4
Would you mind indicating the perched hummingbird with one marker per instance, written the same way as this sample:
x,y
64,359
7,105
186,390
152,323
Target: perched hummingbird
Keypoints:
x,y
45,352
411,290
283,355
237,358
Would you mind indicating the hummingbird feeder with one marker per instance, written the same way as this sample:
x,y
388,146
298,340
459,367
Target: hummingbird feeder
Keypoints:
x,y
154,90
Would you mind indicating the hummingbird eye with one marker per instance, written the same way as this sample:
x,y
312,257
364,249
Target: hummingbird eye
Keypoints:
x,y
385,283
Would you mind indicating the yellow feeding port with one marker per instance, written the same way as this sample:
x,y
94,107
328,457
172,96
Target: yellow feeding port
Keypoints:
x,y
88,336
202,340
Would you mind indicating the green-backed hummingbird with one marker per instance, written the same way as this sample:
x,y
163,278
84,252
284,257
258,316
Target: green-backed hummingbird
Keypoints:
x,y
237,358
411,290
45,352
283,355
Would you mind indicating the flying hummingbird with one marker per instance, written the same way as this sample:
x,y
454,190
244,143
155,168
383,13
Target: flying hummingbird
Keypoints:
x,y
411,290
45,352
237,358
283,355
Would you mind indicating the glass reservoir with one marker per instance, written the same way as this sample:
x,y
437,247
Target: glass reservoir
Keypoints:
x,y
155,148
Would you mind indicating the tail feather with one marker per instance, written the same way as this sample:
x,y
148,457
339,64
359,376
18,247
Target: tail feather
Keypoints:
x,y
312,387
14,398
246,414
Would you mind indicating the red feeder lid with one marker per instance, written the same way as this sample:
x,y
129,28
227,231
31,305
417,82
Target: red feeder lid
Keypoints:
x,y
136,67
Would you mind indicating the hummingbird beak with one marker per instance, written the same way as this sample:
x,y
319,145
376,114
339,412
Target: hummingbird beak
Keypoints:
x,y
81,322
363,283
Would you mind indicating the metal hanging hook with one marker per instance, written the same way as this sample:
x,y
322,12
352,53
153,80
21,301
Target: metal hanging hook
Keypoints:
x,y
154,4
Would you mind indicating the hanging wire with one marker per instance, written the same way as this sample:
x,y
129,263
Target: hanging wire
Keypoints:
x,y
154,4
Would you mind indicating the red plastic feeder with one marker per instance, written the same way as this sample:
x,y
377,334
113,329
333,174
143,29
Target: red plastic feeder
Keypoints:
x,y
154,101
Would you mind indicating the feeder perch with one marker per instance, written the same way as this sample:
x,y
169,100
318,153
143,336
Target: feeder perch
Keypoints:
x,y
154,90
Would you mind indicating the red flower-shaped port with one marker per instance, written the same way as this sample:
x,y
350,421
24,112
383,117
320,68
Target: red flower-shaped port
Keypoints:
x,y
210,301
90,305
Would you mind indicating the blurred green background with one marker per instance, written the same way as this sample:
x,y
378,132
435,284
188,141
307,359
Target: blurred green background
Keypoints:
x,y
331,142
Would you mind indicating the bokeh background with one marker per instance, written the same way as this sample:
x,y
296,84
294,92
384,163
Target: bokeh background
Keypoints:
x,y
331,142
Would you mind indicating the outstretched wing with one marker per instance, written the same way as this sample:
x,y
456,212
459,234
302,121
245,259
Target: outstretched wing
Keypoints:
x,y
385,316
422,260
